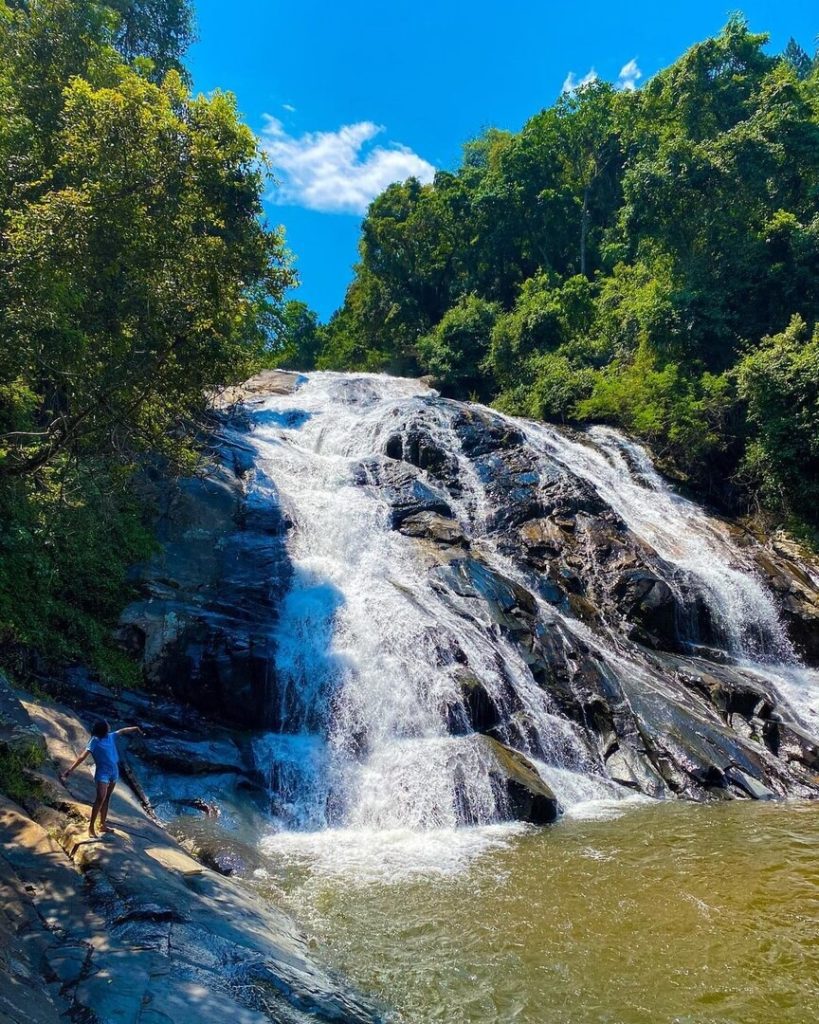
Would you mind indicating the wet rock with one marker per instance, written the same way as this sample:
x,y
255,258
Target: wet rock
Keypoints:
x,y
226,862
517,544
481,433
68,961
359,391
329,1005
29,953
402,488
631,770
434,527
209,757
748,784
793,575
730,692
417,446
514,482
268,382
543,540
476,710
506,601
203,628
791,742
526,795
696,755
648,602
210,810
134,929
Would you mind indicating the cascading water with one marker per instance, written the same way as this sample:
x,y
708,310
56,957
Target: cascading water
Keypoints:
x,y
371,646
680,532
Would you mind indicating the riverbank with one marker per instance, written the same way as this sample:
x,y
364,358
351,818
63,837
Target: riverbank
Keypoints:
x,y
132,929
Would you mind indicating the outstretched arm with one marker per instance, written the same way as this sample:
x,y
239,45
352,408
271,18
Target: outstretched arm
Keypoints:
x,y
129,728
64,775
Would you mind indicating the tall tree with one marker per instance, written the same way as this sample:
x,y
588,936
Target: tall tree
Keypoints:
x,y
798,58
299,337
589,146
136,274
160,30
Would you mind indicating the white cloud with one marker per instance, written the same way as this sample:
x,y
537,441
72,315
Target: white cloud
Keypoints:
x,y
629,75
289,108
337,172
572,84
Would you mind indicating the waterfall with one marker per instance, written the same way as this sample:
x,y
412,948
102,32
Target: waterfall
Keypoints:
x,y
374,637
700,546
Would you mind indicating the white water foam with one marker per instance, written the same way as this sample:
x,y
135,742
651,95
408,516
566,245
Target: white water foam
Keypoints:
x,y
390,856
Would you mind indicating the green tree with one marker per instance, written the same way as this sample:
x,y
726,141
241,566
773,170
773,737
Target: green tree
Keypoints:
x,y
160,30
138,277
780,384
588,147
617,259
136,274
300,337
798,59
454,351
548,314
557,387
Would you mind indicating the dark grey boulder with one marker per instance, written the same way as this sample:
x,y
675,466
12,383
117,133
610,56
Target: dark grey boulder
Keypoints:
x,y
204,625
402,488
434,527
480,432
186,757
476,710
782,563
525,795
649,603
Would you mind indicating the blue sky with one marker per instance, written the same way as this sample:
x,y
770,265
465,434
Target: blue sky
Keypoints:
x,y
348,97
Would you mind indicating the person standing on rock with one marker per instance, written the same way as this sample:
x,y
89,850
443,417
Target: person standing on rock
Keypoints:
x,y
102,746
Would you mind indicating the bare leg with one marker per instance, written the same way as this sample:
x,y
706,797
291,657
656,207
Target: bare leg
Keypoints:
x,y
104,808
102,789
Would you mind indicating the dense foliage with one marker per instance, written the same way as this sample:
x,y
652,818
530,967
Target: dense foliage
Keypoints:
x,y
633,257
135,274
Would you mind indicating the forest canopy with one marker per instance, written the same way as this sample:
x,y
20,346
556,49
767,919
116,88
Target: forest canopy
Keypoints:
x,y
646,258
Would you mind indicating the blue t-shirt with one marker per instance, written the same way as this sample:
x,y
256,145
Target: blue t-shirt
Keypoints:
x,y
105,754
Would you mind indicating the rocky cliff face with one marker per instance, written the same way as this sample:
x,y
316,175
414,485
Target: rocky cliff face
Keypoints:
x,y
210,597
673,676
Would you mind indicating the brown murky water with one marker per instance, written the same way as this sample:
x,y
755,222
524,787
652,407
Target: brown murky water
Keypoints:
x,y
666,913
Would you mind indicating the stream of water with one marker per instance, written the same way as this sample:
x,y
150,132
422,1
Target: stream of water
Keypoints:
x,y
359,644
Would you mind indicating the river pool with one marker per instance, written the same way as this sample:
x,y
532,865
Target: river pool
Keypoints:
x,y
639,914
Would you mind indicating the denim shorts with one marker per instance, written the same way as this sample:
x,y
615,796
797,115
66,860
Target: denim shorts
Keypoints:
x,y
106,777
